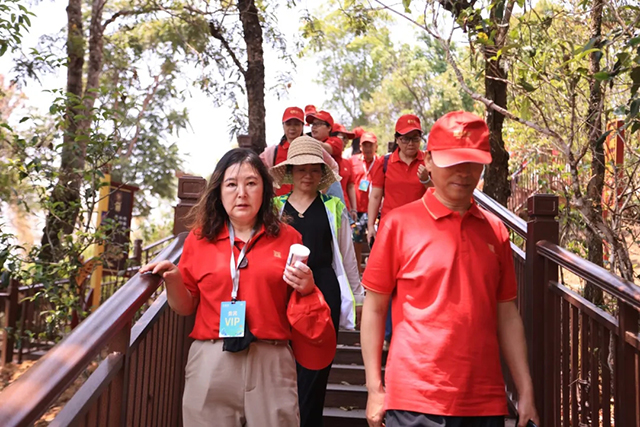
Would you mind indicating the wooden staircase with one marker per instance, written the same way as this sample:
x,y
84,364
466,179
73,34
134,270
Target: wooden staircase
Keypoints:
x,y
346,397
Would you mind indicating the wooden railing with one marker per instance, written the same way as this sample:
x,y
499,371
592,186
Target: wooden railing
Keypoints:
x,y
518,227
584,359
139,379
24,330
591,371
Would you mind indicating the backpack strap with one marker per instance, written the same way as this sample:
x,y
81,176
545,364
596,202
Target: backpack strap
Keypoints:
x,y
385,164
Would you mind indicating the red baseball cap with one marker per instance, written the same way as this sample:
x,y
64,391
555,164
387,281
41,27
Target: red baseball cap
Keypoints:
x,y
322,116
310,109
407,123
357,132
294,113
459,137
368,137
338,128
313,337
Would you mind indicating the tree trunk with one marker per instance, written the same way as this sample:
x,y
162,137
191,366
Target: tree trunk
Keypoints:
x,y
65,199
496,177
254,76
596,146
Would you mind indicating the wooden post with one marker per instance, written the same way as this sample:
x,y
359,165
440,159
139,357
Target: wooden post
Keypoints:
x,y
627,410
11,318
119,395
103,208
137,251
245,141
542,225
189,189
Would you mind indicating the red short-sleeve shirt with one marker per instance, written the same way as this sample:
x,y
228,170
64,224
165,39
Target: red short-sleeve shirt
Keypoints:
x,y
447,274
401,184
336,147
204,266
281,156
346,173
361,170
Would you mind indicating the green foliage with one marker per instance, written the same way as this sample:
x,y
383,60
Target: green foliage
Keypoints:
x,y
353,54
372,80
14,22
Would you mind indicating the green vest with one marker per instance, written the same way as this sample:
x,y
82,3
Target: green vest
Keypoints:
x,y
334,208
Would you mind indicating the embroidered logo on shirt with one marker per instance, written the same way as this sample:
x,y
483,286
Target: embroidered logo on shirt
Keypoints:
x,y
277,254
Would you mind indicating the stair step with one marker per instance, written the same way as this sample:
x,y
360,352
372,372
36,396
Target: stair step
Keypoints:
x,y
346,396
349,337
350,374
352,355
338,417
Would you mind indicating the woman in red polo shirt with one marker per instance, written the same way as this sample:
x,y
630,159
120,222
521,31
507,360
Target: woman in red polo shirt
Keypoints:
x,y
395,176
293,126
322,125
241,370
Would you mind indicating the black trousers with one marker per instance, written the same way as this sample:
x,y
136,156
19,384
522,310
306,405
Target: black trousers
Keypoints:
x,y
312,385
395,418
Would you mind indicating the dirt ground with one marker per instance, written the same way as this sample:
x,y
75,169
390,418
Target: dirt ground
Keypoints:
x,y
12,371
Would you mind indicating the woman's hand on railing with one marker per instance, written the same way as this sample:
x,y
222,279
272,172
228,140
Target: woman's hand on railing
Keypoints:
x,y
300,278
165,269
178,296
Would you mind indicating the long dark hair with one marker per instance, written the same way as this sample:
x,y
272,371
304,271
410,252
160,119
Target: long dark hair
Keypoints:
x,y
208,216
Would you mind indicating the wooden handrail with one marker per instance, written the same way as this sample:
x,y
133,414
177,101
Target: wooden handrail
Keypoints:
x,y
592,273
24,401
158,243
511,220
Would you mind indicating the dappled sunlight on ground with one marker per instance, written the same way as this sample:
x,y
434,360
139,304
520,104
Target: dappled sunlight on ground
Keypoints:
x,y
12,371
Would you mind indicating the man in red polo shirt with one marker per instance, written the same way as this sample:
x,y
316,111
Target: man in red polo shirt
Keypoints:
x,y
321,126
448,268
361,165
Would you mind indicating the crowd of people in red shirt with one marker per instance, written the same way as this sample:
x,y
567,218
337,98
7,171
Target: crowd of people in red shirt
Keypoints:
x,y
437,291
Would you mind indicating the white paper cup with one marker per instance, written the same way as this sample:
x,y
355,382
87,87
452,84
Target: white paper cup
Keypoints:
x,y
298,253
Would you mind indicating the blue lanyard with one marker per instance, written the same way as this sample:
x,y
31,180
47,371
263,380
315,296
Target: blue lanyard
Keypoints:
x,y
235,269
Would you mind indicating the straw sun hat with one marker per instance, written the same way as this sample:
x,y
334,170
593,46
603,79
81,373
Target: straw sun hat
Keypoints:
x,y
303,150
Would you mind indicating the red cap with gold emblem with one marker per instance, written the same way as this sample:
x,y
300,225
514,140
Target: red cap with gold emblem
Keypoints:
x,y
459,137
310,109
408,123
368,137
294,113
338,128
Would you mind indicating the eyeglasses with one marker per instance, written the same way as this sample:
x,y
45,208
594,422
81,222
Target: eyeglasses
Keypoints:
x,y
319,123
406,140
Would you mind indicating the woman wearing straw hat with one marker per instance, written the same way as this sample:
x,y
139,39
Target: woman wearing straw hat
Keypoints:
x,y
323,223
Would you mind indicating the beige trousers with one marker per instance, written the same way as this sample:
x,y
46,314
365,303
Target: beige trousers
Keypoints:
x,y
256,387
